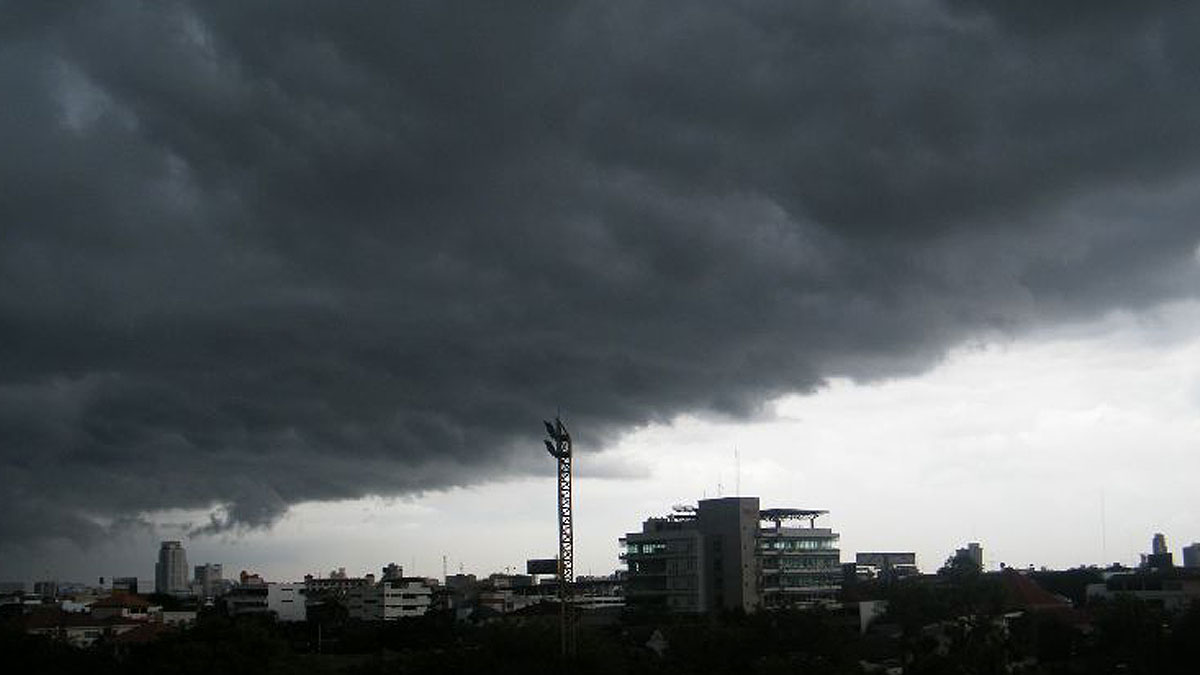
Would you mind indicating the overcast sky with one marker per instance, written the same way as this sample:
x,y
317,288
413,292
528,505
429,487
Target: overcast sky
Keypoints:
x,y
284,279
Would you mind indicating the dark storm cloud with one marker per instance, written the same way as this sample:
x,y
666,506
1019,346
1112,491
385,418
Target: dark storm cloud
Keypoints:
x,y
255,254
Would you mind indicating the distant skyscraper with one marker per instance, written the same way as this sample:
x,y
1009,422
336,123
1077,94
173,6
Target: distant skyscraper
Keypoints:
x,y
170,572
1191,555
46,589
1159,544
208,580
1160,557
973,552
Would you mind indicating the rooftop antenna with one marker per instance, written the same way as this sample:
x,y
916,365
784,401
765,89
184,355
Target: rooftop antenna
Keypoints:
x,y
737,460
1103,531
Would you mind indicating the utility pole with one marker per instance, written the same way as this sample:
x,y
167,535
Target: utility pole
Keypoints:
x,y
559,447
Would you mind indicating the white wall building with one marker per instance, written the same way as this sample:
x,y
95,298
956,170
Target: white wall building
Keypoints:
x,y
390,599
287,601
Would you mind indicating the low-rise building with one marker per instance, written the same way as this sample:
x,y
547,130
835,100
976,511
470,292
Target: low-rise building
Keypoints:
x,y
390,599
176,618
886,565
1172,589
337,585
287,601
76,629
121,605
249,597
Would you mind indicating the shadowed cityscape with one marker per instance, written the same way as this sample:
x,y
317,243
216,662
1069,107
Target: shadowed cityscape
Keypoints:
x,y
761,585
840,337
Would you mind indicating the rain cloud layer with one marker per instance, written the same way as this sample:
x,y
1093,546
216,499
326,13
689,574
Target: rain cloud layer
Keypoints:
x,y
256,254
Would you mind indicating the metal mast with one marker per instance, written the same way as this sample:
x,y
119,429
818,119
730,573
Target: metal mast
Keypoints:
x,y
559,447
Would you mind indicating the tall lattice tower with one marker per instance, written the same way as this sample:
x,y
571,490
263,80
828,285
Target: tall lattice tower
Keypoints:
x,y
559,447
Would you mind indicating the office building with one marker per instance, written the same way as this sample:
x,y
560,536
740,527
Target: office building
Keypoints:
x,y
125,585
170,572
729,554
208,581
1160,556
1191,555
973,552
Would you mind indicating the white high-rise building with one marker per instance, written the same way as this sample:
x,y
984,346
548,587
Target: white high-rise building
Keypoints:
x,y
171,570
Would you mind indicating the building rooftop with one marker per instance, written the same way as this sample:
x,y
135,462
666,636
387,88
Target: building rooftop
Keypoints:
x,y
55,618
790,514
122,601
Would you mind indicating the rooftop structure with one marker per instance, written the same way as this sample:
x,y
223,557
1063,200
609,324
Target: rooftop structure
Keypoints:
x,y
337,584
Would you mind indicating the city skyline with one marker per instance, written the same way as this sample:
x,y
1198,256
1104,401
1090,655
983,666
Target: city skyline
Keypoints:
x,y
298,287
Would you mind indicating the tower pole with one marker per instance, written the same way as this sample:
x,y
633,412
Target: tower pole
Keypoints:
x,y
559,447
